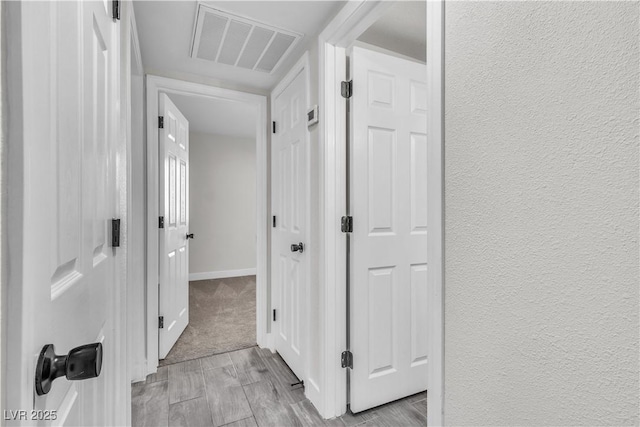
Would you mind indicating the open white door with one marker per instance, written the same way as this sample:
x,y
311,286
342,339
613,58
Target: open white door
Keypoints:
x,y
388,203
289,263
174,224
69,269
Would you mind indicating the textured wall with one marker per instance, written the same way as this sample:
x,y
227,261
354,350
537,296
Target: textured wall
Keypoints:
x,y
222,203
541,199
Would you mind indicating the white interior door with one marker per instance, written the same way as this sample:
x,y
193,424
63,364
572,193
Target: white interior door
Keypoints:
x,y
289,190
69,270
174,208
388,202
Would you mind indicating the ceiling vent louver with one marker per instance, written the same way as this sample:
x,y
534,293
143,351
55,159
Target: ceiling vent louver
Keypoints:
x,y
238,41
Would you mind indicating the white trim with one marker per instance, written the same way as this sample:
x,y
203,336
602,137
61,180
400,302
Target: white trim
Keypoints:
x,y
333,244
156,85
136,357
387,52
351,21
435,210
135,41
222,274
121,127
303,66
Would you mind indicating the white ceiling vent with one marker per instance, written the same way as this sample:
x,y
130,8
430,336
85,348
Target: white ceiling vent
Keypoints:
x,y
242,42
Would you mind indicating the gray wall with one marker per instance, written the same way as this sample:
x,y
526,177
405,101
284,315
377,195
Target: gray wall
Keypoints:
x,y
541,220
222,203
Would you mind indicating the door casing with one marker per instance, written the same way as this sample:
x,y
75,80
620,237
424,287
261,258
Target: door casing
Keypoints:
x,y
154,86
341,32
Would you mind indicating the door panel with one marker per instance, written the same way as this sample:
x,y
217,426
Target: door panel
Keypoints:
x,y
174,206
289,184
388,246
69,269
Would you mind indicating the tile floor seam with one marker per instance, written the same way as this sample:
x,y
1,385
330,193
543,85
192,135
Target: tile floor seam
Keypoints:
x,y
186,400
253,414
233,422
206,395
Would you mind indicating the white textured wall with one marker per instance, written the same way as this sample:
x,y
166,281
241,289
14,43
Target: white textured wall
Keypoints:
x,y
222,203
541,199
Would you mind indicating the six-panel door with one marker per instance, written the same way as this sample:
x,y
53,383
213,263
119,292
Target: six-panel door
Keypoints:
x,y
70,287
388,203
289,205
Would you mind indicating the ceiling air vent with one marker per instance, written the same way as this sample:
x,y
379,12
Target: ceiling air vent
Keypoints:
x,y
241,42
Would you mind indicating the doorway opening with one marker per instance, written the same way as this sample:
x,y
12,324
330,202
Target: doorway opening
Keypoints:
x,y
222,228
213,199
339,247
387,205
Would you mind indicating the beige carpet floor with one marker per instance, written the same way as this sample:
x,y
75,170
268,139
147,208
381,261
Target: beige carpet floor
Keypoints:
x,y
222,318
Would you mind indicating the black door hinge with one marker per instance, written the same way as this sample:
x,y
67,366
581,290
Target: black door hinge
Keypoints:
x,y
160,122
346,225
274,127
161,322
115,233
274,221
274,314
115,9
161,222
347,359
346,89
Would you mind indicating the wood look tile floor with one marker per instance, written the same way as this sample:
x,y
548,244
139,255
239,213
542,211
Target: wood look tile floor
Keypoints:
x,y
250,387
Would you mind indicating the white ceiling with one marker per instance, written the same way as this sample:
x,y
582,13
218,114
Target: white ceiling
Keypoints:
x,y
165,30
402,29
219,117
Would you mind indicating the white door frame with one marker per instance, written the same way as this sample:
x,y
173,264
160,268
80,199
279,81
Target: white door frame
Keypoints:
x,y
435,210
156,85
349,23
135,291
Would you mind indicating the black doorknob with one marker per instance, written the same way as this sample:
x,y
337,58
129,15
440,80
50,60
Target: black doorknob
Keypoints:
x,y
189,236
297,248
80,364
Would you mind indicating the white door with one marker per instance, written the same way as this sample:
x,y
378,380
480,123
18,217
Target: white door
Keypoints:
x,y
289,206
174,207
66,287
388,257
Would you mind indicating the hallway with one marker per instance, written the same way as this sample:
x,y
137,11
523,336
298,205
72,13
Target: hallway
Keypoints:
x,y
250,387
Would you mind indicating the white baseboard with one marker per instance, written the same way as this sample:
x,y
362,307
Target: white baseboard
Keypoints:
x,y
222,274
